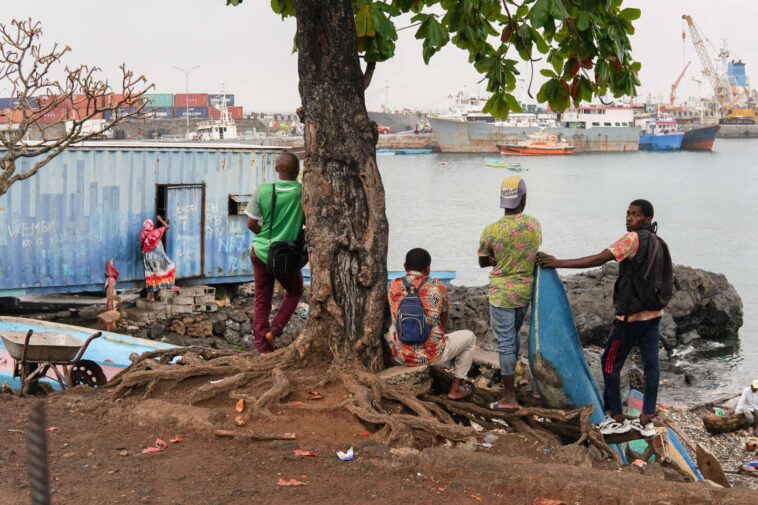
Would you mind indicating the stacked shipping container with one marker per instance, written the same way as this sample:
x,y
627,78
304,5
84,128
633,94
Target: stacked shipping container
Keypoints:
x,y
158,106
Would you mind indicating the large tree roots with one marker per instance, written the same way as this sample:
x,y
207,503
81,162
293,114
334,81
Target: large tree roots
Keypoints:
x,y
398,414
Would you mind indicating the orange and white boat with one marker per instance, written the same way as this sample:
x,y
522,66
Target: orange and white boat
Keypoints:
x,y
538,144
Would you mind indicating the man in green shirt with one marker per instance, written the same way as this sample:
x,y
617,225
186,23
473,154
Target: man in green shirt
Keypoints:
x,y
509,246
287,223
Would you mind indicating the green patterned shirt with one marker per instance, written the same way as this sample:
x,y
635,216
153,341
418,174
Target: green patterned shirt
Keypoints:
x,y
513,241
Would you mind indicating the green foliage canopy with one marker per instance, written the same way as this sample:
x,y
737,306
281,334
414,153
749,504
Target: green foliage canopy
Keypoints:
x,y
585,42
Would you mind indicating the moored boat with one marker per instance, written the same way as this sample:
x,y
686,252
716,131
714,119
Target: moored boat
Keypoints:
x,y
538,144
385,152
494,162
413,151
661,135
700,138
111,351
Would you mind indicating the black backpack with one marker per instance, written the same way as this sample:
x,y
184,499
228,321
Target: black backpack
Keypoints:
x,y
646,282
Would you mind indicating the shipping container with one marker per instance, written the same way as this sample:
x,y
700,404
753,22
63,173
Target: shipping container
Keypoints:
x,y
58,101
191,100
81,113
234,113
191,112
159,100
215,100
114,98
83,102
108,114
5,103
58,229
52,115
161,113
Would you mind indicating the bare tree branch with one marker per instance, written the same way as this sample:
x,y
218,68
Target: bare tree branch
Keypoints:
x,y
41,105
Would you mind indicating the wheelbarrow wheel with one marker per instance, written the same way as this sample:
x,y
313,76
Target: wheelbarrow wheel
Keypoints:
x,y
88,373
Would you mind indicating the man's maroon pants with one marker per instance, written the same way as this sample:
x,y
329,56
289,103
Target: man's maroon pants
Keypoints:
x,y
264,291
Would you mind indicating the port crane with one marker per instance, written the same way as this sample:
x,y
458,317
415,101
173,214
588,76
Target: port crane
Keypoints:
x,y
676,83
720,85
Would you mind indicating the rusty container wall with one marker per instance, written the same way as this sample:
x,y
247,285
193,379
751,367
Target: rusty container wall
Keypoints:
x,y
60,227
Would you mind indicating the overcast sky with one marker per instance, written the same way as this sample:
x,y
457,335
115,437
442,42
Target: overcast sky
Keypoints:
x,y
249,48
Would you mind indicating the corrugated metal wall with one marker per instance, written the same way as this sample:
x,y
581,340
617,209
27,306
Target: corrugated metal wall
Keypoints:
x,y
59,227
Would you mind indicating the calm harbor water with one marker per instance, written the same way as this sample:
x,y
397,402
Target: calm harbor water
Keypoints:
x,y
706,204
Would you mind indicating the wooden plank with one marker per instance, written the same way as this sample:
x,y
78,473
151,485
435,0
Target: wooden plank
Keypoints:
x,y
710,467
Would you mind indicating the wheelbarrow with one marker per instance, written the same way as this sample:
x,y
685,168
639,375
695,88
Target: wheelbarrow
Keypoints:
x,y
35,354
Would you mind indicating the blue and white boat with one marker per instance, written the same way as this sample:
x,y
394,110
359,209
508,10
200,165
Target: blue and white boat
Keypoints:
x,y
661,134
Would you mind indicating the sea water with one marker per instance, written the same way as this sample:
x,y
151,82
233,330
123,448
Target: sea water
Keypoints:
x,y
706,206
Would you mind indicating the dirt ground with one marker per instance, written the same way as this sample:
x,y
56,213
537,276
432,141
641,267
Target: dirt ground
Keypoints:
x,y
95,456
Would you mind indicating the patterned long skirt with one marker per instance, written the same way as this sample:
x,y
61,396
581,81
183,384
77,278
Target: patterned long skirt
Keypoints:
x,y
160,271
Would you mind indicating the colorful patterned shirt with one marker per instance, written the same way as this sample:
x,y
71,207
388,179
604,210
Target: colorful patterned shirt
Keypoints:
x,y
434,298
623,249
513,240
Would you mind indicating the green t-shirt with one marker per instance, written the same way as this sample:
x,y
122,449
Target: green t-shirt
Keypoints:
x,y
513,241
288,216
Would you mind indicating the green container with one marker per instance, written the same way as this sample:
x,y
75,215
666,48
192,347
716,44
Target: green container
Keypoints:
x,y
156,100
719,412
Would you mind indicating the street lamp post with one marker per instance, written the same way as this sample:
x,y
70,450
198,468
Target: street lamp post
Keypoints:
x,y
186,92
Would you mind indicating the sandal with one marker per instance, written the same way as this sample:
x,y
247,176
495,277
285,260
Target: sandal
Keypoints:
x,y
496,406
468,389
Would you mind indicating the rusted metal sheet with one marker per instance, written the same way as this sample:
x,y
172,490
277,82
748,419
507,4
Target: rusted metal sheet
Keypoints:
x,y
469,137
59,227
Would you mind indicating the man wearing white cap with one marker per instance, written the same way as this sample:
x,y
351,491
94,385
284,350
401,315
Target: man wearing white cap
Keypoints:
x,y
509,246
748,404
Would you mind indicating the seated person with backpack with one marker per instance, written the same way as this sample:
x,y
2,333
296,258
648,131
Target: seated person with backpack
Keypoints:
x,y
644,286
419,314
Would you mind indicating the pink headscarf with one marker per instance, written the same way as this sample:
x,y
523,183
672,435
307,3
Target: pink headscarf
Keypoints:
x,y
150,236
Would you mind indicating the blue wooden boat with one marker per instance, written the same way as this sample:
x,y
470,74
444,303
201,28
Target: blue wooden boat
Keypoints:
x,y
676,450
555,354
385,152
111,351
444,275
413,151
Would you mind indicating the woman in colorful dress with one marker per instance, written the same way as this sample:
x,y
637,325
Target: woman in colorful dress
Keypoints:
x,y
160,271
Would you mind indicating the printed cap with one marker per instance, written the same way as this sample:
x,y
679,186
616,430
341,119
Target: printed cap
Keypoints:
x,y
754,384
512,191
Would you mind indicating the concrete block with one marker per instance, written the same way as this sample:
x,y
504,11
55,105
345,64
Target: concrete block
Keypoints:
x,y
205,299
405,374
183,300
211,307
173,310
167,294
143,303
199,308
486,358
144,315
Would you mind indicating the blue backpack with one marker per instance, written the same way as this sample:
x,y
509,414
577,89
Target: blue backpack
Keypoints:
x,y
410,323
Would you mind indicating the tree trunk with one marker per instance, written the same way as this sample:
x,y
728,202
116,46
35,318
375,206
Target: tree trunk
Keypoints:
x,y
343,195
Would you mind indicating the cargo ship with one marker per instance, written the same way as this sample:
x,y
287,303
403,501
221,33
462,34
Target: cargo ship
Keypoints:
x,y
700,138
588,129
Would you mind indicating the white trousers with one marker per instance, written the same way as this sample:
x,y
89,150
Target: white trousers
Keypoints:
x,y
459,352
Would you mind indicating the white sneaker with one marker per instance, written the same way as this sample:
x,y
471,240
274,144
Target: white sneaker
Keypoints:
x,y
646,430
613,427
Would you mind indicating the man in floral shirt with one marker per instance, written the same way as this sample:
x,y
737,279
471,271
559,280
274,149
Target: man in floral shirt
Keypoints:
x,y
439,348
510,245
638,328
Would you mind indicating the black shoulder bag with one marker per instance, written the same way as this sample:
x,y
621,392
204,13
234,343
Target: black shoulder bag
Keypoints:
x,y
285,258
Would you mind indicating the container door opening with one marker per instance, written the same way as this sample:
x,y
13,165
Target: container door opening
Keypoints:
x,y
184,238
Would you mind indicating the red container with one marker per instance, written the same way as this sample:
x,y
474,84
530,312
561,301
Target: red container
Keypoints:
x,y
191,100
61,101
80,113
234,113
53,115
81,102
112,99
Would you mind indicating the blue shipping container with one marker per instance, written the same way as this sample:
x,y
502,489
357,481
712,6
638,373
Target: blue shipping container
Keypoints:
x,y
192,112
108,114
161,113
60,227
5,103
215,100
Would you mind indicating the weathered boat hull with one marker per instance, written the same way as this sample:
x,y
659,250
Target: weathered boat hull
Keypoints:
x,y
700,138
469,137
556,358
111,351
